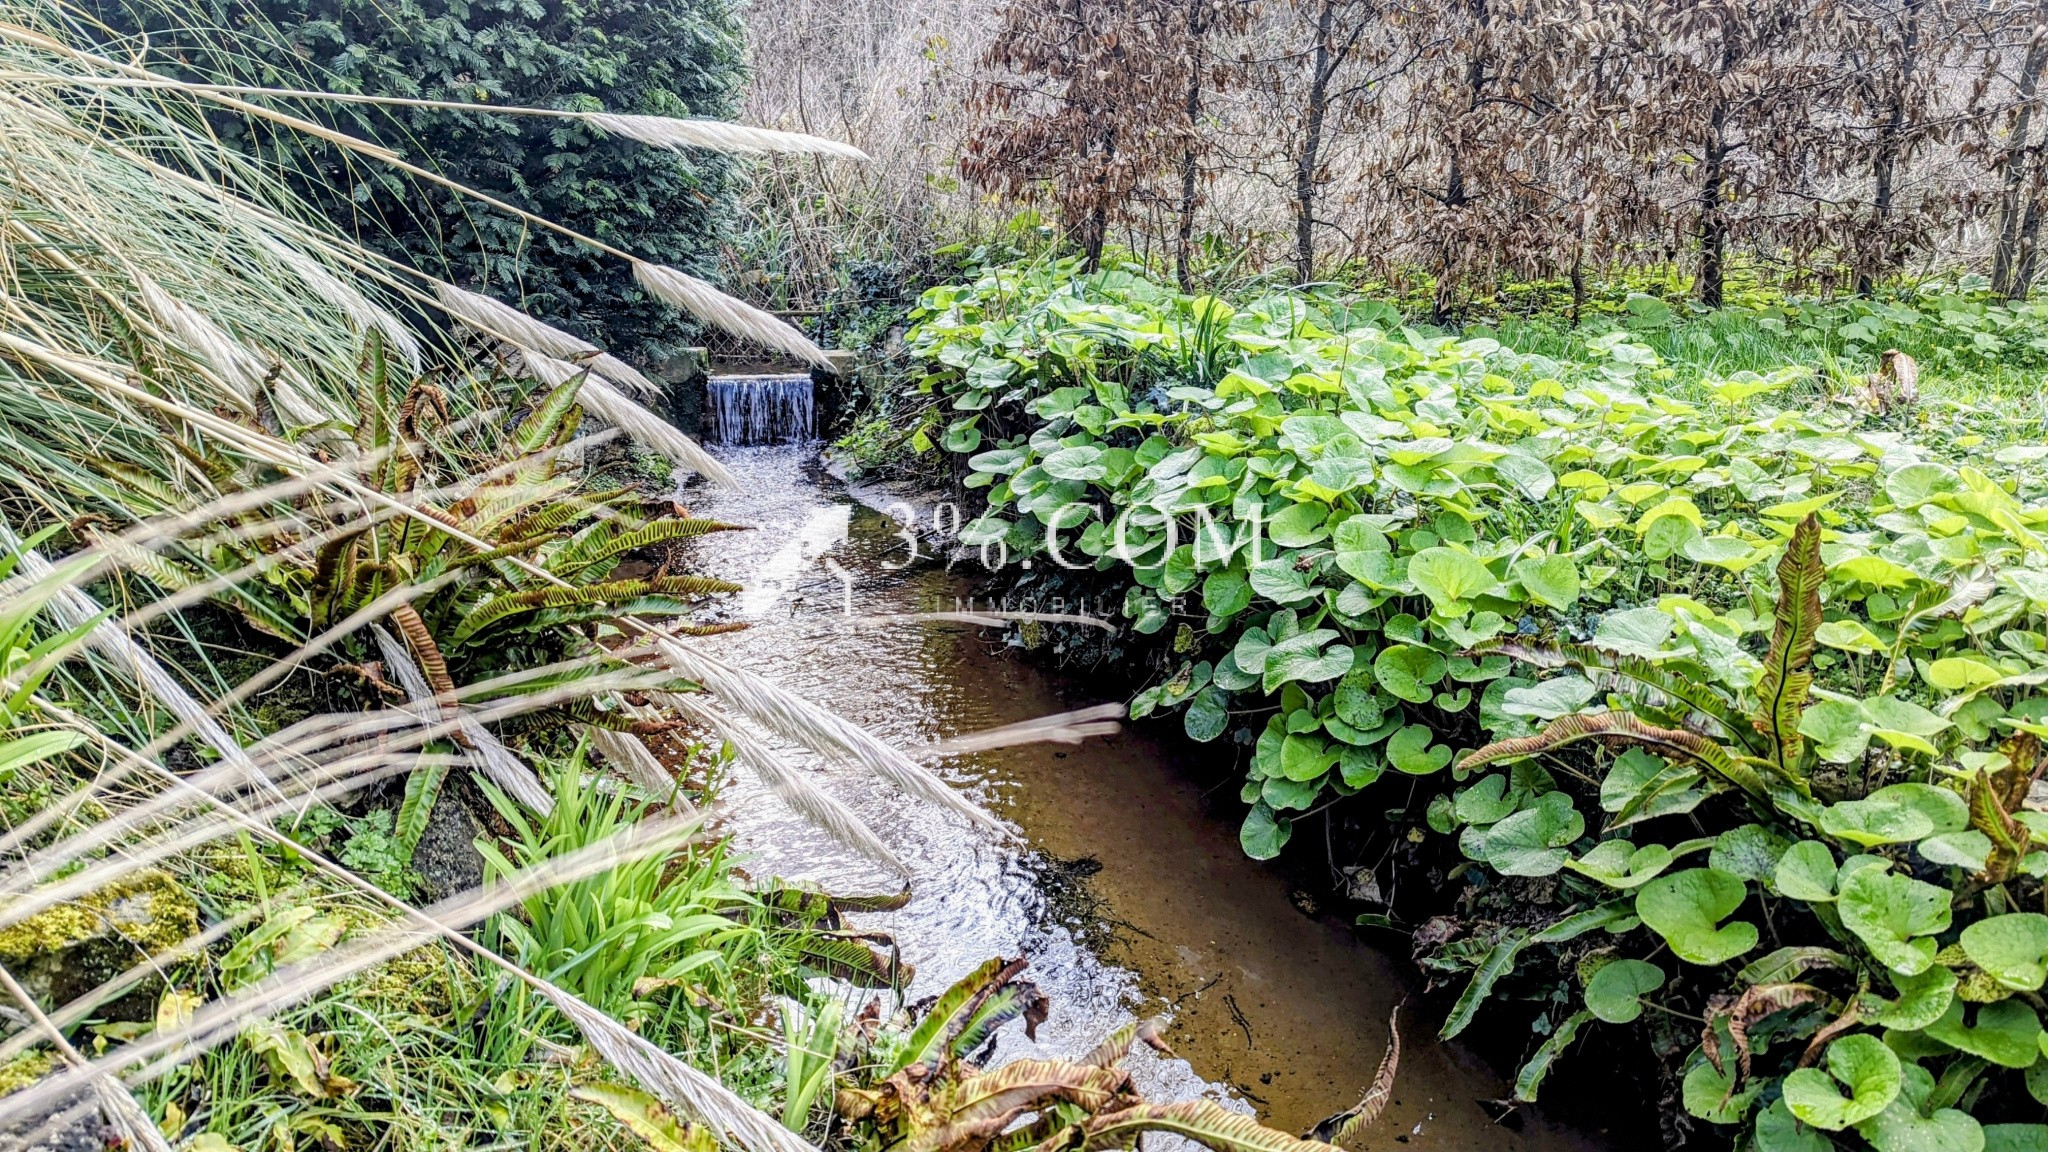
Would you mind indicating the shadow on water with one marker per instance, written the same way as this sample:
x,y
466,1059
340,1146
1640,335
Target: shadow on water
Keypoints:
x,y
1126,894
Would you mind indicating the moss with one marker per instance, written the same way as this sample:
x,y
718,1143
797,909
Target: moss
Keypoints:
x,y
148,908
421,981
23,1071
61,953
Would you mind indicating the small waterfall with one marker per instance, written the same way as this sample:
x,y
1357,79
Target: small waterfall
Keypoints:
x,y
773,409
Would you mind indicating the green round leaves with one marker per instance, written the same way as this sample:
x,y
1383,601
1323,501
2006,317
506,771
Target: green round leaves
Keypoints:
x,y
1451,578
1409,671
1263,833
1895,916
1226,593
1862,1077
1615,993
1686,908
1536,840
2011,949
1552,580
2006,1033
1807,872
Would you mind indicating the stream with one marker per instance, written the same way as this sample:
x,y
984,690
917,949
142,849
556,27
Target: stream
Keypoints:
x,y
1127,895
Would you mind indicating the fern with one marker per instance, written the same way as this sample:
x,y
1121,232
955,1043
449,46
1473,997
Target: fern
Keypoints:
x,y
1703,700
561,515
1788,668
422,789
539,428
605,542
1622,727
1204,1121
618,597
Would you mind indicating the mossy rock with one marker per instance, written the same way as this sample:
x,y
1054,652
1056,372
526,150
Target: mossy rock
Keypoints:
x,y
61,953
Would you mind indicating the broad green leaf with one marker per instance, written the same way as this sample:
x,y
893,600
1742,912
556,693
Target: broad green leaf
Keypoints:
x,y
1906,1125
1303,658
1862,1077
1943,807
1557,696
1777,1130
1305,757
1355,702
1615,993
1409,750
1849,636
1712,1096
1636,632
1409,672
1686,908
1874,571
1226,593
1535,841
1264,833
1894,916
1207,715
1298,525
1871,822
2012,949
1619,864
1281,582
1727,552
1969,849
1668,537
1487,801
1450,578
1806,872
1921,1001
1962,674
1916,484
1644,785
1749,851
1079,463
2015,1138
1838,728
1552,580
2006,1033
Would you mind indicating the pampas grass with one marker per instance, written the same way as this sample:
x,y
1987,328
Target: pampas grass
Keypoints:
x,y
791,786
801,722
621,411
685,292
511,774
628,756
1063,728
510,324
717,135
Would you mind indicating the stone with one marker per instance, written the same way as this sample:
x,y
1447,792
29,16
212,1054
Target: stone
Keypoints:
x,y
61,953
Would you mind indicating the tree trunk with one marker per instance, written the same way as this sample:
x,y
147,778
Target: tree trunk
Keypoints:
x,y
1713,221
2014,203
1876,258
2026,252
1455,196
1306,164
1183,249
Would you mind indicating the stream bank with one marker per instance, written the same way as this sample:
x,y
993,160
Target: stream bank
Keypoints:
x,y
1127,896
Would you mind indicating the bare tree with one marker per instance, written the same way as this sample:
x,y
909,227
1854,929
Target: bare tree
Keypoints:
x,y
1207,20
1084,101
1732,95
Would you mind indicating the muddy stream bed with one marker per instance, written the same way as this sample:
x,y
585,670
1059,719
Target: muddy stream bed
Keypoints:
x,y
1128,895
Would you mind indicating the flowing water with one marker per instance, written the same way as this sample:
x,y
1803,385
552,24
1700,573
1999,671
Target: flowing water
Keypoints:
x,y
772,408
1129,897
